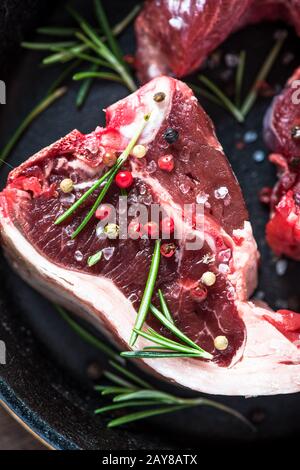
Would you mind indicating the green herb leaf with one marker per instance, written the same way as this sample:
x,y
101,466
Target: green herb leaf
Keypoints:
x,y
229,105
262,74
102,75
156,355
104,25
118,406
178,333
56,31
47,46
119,380
144,414
154,395
164,306
148,292
94,259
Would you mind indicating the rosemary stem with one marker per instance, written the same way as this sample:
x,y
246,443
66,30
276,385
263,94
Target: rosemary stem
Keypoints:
x,y
104,25
100,75
262,75
225,100
78,203
44,104
148,292
164,306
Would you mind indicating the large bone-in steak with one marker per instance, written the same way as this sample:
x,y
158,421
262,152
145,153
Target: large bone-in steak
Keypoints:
x,y
282,135
175,37
262,356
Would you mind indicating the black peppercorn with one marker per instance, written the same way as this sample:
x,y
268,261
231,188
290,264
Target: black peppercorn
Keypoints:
x,y
171,135
295,132
160,96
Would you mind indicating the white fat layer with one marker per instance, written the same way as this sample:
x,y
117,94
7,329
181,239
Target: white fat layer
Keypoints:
x,y
260,371
143,103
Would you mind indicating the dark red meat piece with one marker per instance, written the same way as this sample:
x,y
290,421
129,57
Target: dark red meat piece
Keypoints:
x,y
175,37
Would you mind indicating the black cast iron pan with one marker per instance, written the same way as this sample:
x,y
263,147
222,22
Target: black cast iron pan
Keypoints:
x,y
45,381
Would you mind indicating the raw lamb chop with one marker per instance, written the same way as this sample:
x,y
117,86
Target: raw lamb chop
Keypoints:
x,y
263,355
282,135
175,37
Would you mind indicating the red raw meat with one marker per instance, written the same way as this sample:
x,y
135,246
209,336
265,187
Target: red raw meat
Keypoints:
x,y
281,122
263,356
175,37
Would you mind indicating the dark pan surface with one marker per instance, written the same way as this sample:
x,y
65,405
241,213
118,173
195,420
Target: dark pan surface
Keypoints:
x,y
45,380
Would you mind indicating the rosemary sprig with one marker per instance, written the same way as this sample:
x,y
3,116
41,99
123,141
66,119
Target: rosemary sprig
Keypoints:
x,y
263,73
167,347
102,50
217,96
229,105
112,173
136,392
78,46
148,293
34,113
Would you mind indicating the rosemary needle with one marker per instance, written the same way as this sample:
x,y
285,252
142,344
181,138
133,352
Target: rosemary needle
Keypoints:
x,y
102,75
230,106
41,106
263,73
148,292
104,25
164,306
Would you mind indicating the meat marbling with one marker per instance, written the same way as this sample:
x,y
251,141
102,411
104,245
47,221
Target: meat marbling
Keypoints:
x,y
175,37
263,355
283,116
